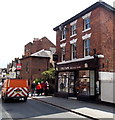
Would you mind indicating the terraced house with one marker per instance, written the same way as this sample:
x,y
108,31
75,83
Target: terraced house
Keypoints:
x,y
85,47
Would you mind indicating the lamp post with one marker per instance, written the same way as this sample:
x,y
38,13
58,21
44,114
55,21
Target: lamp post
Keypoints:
x,y
96,58
97,82
55,59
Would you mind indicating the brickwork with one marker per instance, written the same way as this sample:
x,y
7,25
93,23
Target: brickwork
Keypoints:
x,y
33,66
101,38
37,45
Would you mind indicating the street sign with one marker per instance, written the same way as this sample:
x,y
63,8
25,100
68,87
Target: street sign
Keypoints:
x,y
18,66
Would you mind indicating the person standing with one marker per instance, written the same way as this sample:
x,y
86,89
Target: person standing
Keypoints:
x,y
33,86
46,87
38,89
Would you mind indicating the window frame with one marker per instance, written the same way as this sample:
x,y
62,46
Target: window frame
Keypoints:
x,y
73,30
63,53
63,35
86,47
73,51
87,24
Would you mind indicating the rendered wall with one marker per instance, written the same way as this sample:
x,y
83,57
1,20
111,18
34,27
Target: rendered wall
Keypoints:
x,y
107,86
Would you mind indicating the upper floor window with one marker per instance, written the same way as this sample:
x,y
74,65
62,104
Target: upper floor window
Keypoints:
x,y
73,29
73,50
86,47
64,34
63,53
87,23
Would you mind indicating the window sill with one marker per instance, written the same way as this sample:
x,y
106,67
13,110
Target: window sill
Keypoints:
x,y
86,30
62,40
87,56
73,35
73,59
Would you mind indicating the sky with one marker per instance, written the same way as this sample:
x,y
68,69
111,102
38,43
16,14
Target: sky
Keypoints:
x,y
23,20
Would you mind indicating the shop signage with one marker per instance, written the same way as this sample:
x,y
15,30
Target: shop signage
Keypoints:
x,y
18,66
70,68
86,65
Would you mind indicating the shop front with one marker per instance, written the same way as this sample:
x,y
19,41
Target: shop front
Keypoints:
x,y
78,79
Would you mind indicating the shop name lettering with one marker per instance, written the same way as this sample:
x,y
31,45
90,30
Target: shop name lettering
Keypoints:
x,y
70,68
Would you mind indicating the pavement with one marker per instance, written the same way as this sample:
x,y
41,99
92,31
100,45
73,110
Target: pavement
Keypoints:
x,y
90,110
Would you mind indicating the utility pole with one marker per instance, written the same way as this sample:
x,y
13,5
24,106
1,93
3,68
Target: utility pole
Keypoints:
x,y
55,59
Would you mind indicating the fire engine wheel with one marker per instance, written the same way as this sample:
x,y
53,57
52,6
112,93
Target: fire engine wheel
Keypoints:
x,y
4,99
25,99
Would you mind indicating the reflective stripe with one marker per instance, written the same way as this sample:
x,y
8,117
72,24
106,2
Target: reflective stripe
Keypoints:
x,y
11,93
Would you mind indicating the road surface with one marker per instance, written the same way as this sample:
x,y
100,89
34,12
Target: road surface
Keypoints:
x,y
34,109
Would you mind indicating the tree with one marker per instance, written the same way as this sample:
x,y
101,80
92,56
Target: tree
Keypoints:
x,y
49,74
38,80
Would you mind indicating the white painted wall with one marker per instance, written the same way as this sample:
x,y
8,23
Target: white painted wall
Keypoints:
x,y
107,86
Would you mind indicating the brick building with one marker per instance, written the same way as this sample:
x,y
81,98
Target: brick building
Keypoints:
x,y
37,45
84,44
37,58
32,66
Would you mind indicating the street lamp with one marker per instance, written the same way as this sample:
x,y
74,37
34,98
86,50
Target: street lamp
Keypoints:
x,y
55,59
96,57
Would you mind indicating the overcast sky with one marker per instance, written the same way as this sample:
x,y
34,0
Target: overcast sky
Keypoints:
x,y
23,20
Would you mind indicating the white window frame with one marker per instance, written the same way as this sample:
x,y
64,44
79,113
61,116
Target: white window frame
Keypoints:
x,y
86,47
87,24
72,42
63,50
73,30
63,37
73,51
86,16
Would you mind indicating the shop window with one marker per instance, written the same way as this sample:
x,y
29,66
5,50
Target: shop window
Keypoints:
x,y
63,82
71,82
86,47
85,85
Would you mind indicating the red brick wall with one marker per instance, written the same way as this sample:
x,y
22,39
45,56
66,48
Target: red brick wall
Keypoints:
x,y
38,44
35,67
106,23
101,38
28,49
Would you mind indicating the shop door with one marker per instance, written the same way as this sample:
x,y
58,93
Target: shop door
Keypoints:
x,y
71,83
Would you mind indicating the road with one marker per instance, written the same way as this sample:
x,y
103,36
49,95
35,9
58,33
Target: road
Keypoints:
x,y
34,109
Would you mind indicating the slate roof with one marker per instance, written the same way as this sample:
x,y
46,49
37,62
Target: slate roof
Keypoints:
x,y
42,53
92,7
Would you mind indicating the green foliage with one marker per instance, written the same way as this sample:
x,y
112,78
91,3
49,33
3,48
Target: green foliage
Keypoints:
x,y
49,74
38,80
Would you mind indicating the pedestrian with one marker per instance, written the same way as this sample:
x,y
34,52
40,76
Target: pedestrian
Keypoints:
x,y
46,88
33,86
42,87
38,89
